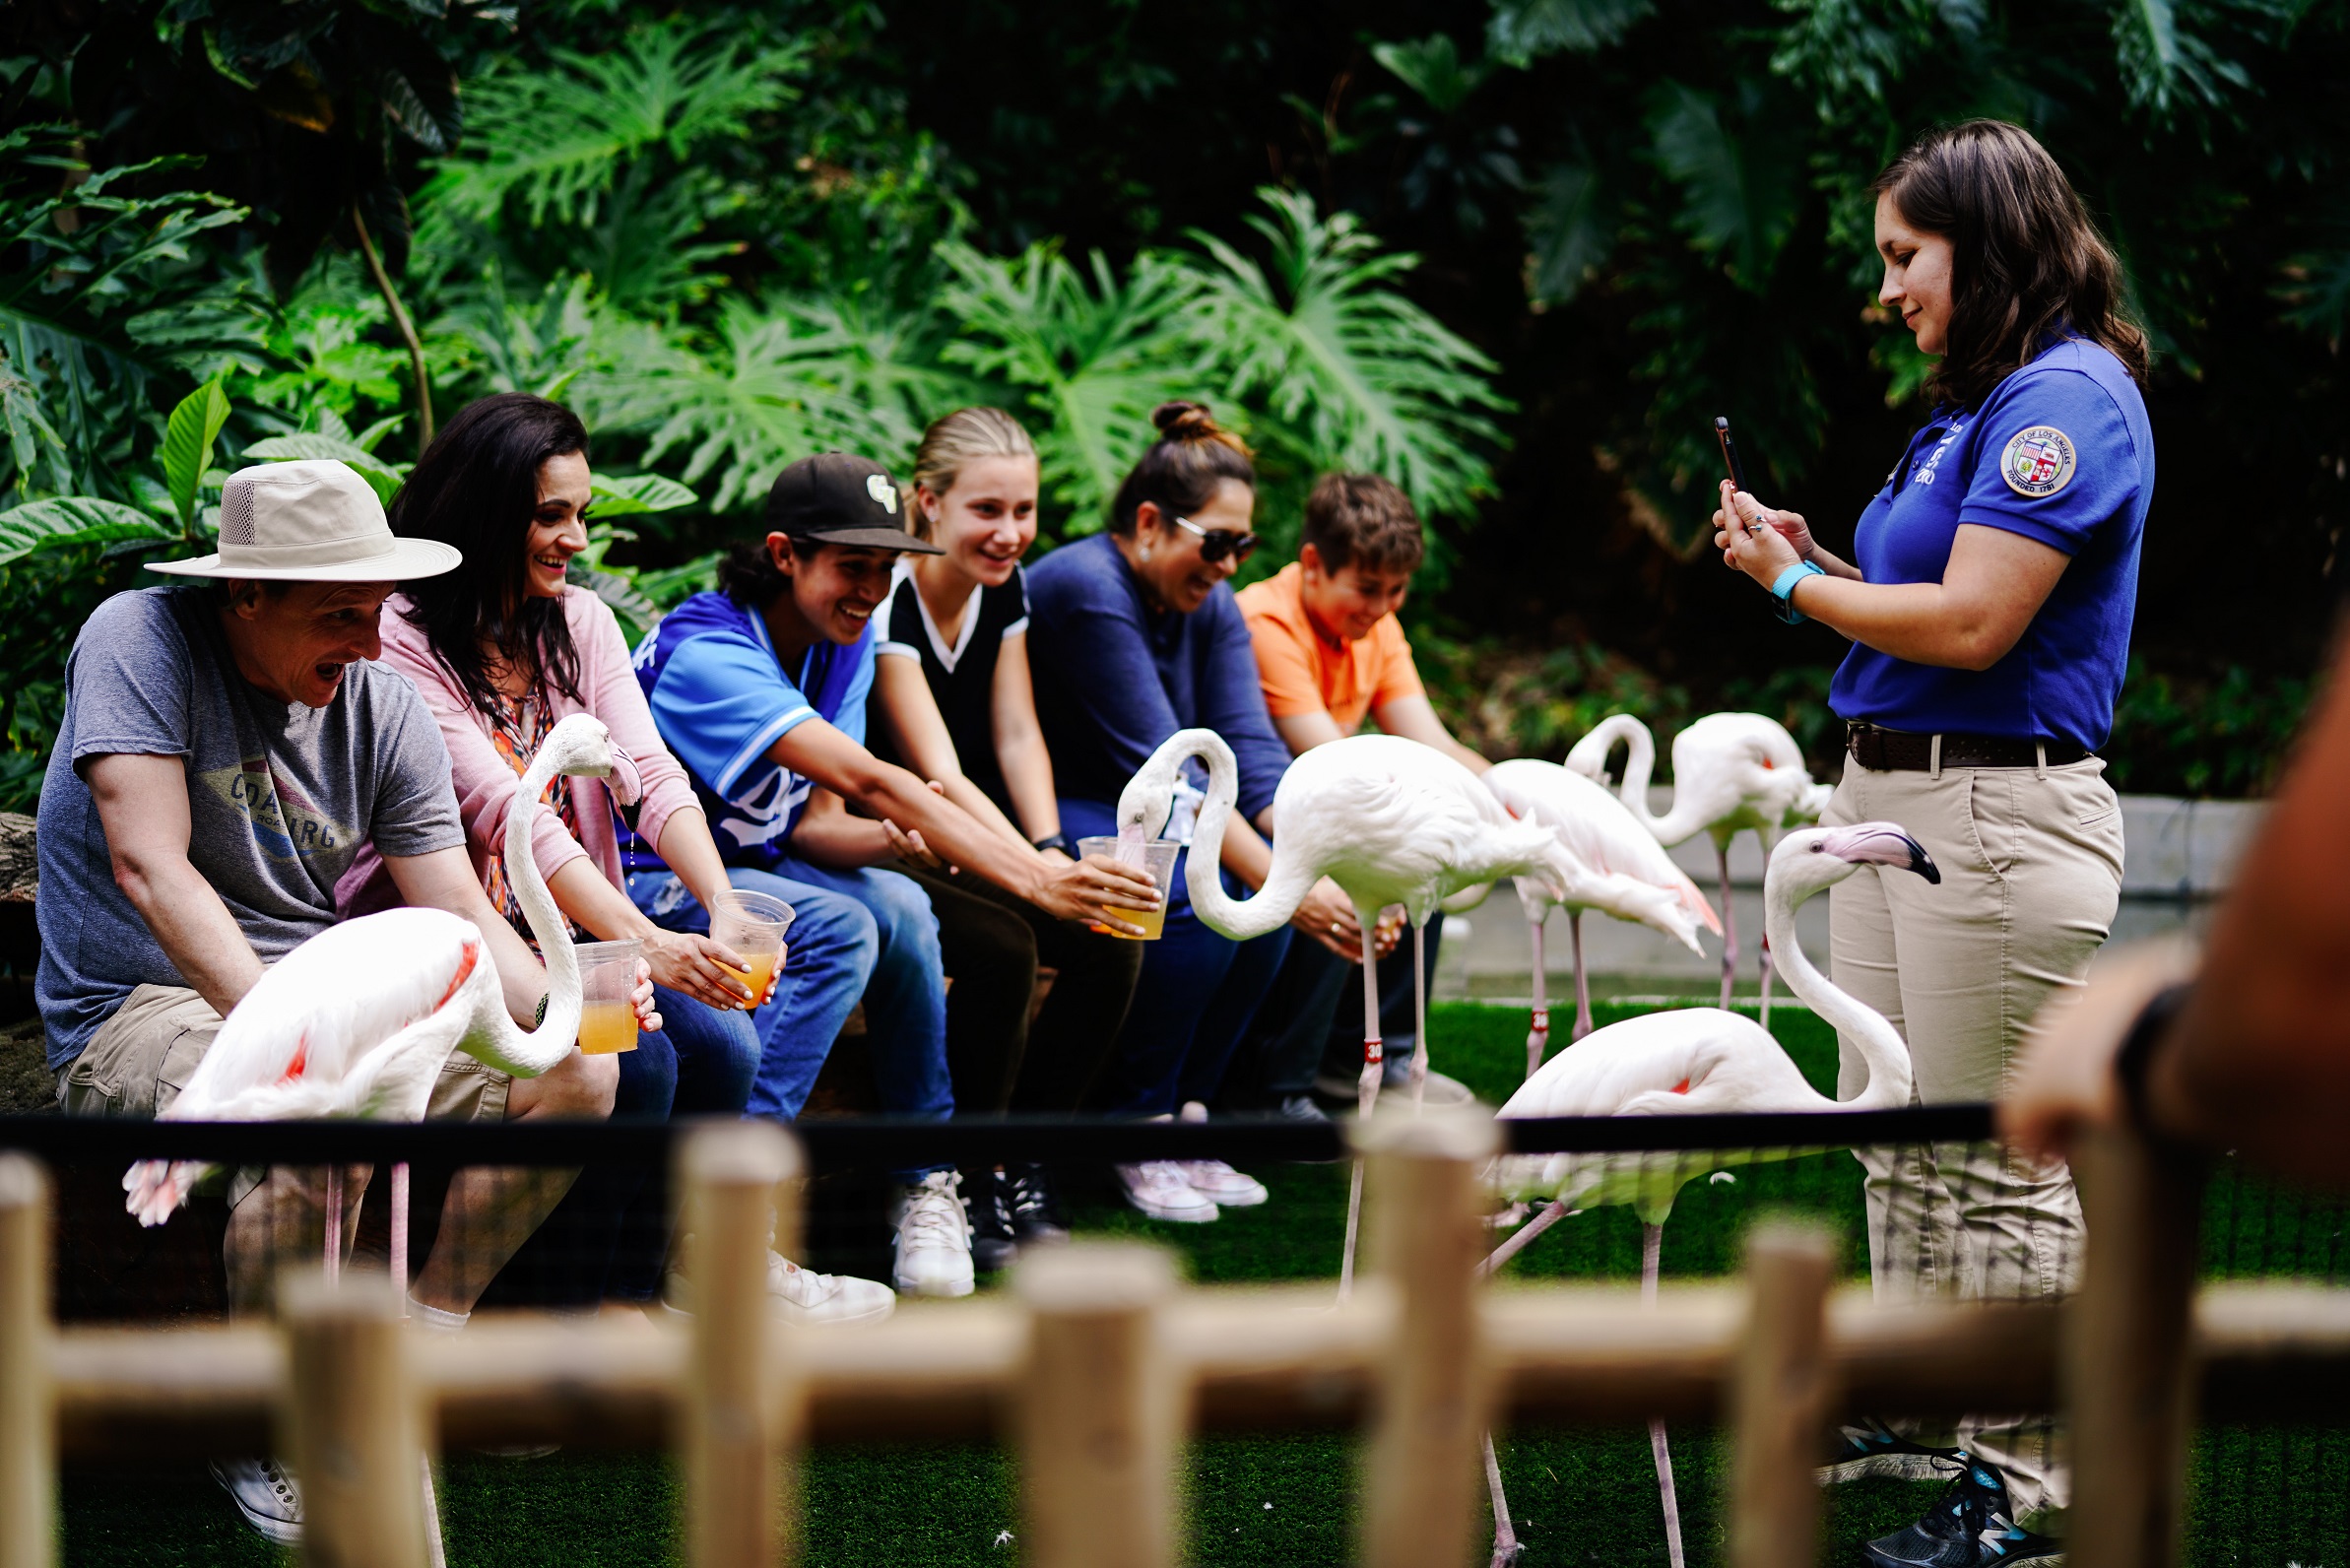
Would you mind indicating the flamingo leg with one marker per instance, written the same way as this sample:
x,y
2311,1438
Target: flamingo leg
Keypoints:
x,y
1419,1012
400,1232
1366,1094
1730,924
1652,1246
1583,984
334,1223
1538,1038
1765,835
1506,1549
1552,1213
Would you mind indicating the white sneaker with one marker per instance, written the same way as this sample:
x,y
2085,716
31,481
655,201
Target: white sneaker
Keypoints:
x,y
266,1493
1213,1179
801,1296
1159,1189
933,1239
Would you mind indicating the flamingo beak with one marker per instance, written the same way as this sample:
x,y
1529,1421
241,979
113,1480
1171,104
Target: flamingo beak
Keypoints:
x,y
1880,844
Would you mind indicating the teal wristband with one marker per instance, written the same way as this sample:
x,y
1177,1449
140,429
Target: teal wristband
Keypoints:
x,y
1786,585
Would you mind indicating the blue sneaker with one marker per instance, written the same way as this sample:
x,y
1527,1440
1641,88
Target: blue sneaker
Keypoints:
x,y
1972,1527
1869,1449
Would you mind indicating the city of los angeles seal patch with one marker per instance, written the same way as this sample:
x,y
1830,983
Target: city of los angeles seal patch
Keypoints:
x,y
2037,462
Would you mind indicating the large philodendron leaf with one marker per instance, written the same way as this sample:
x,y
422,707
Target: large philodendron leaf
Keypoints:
x,y
187,447
384,476
63,520
1356,375
626,495
1572,229
1742,188
1094,361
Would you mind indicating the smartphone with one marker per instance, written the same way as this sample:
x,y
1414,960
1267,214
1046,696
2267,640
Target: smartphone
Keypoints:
x,y
1729,454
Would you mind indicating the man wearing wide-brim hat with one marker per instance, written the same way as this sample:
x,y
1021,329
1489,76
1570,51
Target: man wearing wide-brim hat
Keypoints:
x,y
225,752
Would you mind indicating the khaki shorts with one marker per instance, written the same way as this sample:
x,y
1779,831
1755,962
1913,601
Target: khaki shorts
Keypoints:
x,y
141,1057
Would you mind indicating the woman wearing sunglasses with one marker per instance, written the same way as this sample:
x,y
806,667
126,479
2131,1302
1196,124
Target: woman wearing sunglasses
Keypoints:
x,y
1134,634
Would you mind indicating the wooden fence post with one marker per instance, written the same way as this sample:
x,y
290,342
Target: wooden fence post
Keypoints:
x,y
1422,1473
2127,1370
355,1421
1100,1409
737,1397
1780,1397
27,1419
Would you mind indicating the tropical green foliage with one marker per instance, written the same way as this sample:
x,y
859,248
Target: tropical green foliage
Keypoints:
x,y
1515,258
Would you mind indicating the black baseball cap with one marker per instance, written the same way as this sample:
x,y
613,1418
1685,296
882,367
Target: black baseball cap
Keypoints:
x,y
833,498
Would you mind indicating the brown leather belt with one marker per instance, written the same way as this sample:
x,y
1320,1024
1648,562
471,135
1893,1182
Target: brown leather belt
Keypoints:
x,y
1900,751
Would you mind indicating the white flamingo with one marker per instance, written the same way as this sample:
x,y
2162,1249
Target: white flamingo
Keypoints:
x,y
1390,821
1696,1061
1730,771
357,1021
1626,874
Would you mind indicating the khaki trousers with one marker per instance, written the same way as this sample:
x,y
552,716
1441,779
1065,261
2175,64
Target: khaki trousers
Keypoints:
x,y
2031,863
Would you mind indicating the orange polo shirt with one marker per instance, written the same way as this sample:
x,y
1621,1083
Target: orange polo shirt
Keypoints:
x,y
1302,672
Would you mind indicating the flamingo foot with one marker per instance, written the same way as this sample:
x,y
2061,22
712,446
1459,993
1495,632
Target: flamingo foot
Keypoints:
x,y
1506,1547
158,1187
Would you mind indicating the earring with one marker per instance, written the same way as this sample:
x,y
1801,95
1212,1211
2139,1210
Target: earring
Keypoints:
x,y
1146,551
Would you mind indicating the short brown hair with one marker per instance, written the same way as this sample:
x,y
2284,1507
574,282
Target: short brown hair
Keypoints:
x,y
1361,517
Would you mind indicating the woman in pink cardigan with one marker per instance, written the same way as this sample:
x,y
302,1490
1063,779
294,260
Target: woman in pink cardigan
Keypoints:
x,y
503,650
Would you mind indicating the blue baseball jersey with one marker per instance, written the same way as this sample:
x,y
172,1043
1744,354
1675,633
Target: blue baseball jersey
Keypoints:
x,y
2060,452
721,698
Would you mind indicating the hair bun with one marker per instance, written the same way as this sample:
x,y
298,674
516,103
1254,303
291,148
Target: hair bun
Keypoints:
x,y
1185,422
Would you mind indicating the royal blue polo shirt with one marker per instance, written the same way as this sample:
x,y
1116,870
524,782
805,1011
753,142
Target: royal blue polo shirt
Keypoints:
x,y
2060,452
721,699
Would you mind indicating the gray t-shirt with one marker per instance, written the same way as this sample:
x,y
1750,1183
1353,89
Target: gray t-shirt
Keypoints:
x,y
280,797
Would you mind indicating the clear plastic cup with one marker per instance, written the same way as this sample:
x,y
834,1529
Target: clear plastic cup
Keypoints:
x,y
753,924
1154,854
606,977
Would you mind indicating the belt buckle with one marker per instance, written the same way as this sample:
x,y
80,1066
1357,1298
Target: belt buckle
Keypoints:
x,y
1867,744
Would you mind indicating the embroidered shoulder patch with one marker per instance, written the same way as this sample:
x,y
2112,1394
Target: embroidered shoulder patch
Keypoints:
x,y
2038,461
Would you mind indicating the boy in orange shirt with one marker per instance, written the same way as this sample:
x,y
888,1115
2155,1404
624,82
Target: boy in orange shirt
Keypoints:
x,y
1329,652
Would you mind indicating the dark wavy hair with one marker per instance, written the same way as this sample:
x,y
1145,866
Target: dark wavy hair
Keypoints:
x,y
2027,263
1183,467
477,488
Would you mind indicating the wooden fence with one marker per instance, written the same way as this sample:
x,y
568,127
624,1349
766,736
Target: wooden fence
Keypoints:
x,y
1097,1364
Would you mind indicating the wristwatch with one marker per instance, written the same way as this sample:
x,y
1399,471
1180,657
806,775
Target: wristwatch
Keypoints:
x,y
1785,586
1058,841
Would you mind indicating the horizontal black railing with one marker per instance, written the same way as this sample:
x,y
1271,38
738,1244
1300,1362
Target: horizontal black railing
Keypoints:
x,y
890,1143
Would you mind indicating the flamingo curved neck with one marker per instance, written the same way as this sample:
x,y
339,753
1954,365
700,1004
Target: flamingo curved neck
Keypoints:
x,y
559,1029
1681,820
1879,1044
1285,885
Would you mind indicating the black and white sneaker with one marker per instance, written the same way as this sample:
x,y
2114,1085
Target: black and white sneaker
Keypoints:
x,y
986,1197
1869,1449
1033,1207
1972,1527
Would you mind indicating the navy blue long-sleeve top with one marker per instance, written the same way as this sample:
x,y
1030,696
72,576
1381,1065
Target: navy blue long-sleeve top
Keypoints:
x,y
1115,678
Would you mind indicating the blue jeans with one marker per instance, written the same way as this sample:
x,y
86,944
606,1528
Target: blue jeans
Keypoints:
x,y
609,1235
854,933
1193,1003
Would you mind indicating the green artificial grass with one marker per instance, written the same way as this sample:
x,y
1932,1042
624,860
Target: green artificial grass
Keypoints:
x,y
1579,1497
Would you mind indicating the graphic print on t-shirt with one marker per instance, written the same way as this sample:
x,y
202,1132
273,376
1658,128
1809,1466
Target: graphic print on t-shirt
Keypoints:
x,y
285,824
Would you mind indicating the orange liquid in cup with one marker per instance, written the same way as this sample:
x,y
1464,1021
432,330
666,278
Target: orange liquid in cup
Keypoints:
x,y
1152,921
756,977
607,1028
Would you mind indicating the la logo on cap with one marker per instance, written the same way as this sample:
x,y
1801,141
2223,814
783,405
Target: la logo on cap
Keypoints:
x,y
883,493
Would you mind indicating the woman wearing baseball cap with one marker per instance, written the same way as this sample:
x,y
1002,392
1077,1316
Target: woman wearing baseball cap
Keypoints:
x,y
1988,602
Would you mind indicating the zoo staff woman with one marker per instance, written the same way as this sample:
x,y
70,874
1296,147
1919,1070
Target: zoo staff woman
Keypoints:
x,y
1990,606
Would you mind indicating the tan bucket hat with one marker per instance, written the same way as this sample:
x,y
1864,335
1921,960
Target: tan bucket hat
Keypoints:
x,y
310,521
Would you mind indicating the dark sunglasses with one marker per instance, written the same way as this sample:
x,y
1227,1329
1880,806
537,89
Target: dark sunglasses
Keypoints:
x,y
1218,543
